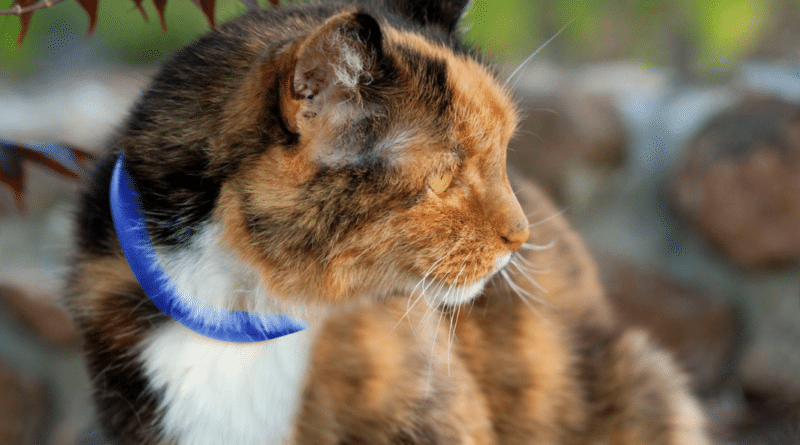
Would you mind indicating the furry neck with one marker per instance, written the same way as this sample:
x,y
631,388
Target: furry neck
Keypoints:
x,y
200,317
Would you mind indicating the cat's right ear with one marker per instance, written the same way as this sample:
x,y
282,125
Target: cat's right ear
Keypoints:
x,y
327,69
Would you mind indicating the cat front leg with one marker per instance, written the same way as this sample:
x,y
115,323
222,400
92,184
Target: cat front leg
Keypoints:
x,y
382,376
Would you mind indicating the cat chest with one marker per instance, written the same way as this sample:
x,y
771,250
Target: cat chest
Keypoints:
x,y
216,392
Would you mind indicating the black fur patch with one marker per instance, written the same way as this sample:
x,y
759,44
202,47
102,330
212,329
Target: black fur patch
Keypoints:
x,y
431,75
126,404
444,13
94,229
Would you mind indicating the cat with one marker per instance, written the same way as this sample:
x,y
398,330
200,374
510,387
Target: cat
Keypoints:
x,y
344,165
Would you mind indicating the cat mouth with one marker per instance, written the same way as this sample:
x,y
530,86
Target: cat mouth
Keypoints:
x,y
449,295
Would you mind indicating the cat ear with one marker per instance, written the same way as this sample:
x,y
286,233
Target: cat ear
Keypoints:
x,y
329,67
443,13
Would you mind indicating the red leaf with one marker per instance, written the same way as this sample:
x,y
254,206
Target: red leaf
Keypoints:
x,y
24,19
64,160
90,6
13,176
161,6
138,4
207,6
275,3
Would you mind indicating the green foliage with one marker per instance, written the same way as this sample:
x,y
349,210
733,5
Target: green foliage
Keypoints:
x,y
719,32
124,33
51,28
500,27
728,29
121,34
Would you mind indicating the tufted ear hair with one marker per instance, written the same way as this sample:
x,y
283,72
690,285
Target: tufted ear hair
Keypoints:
x,y
328,67
443,13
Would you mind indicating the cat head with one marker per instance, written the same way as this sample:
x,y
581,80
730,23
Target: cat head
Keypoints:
x,y
392,164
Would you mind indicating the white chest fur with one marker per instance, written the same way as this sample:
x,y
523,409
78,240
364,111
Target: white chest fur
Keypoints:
x,y
217,392
225,393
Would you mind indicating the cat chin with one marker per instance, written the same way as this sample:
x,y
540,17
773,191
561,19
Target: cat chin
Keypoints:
x,y
457,295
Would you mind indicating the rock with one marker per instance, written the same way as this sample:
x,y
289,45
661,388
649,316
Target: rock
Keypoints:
x,y
702,332
23,405
7,204
739,183
564,137
46,320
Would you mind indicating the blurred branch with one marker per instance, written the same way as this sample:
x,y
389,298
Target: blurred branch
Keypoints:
x,y
251,5
25,8
19,10
65,160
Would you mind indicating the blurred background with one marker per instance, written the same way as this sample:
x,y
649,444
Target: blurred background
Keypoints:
x,y
667,132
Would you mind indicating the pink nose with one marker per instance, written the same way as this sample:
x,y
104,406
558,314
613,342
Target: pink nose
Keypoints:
x,y
516,235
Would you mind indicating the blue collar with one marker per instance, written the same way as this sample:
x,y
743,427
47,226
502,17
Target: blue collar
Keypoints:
x,y
207,320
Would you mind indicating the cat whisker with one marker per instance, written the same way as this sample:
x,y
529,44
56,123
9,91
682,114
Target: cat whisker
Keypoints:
x,y
518,257
519,132
463,265
528,59
424,277
529,266
531,280
433,350
526,297
428,307
462,291
409,305
524,294
539,247
512,287
450,333
434,305
454,325
547,219
546,110
501,277
530,306
472,302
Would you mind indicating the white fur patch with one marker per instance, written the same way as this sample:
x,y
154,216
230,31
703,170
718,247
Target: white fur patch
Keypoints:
x,y
501,262
394,147
348,67
226,393
456,295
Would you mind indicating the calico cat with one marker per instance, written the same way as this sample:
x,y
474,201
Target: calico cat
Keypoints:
x,y
344,165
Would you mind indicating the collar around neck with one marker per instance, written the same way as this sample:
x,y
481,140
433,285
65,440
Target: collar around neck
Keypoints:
x,y
204,319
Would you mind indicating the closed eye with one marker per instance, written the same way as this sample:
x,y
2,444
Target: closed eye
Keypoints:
x,y
439,182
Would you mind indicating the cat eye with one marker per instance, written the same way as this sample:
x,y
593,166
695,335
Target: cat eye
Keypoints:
x,y
438,182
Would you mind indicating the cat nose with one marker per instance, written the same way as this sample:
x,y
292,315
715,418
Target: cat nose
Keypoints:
x,y
516,234
509,220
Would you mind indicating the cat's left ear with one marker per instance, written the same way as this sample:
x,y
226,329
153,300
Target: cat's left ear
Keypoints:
x,y
328,68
